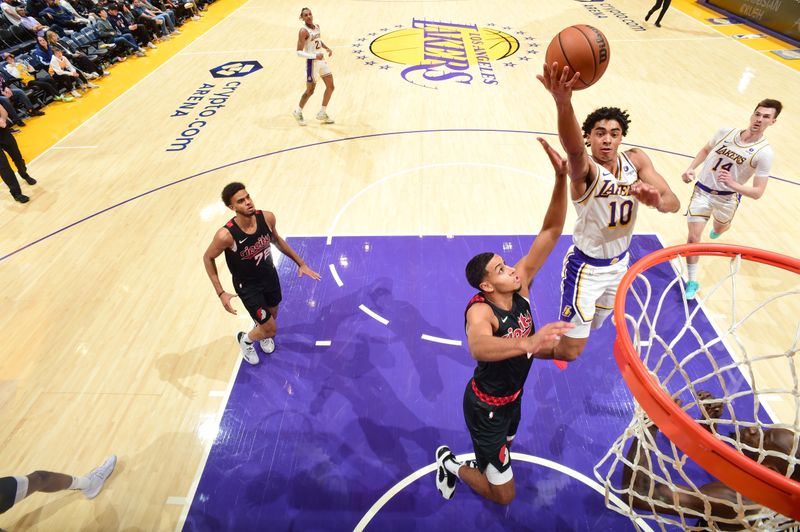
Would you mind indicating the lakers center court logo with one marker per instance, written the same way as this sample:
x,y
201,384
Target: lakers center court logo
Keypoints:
x,y
430,53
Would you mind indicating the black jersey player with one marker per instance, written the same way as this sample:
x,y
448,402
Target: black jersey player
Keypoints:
x,y
503,340
247,241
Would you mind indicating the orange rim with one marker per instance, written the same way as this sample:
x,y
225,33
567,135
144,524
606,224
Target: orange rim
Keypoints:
x,y
751,479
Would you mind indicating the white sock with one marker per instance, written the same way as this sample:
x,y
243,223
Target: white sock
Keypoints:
x,y
322,109
452,466
692,270
298,110
79,483
247,339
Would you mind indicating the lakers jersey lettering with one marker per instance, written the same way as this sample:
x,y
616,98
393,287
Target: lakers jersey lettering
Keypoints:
x,y
607,211
610,188
730,154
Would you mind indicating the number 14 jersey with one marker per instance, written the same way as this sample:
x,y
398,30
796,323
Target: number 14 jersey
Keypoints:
x,y
742,160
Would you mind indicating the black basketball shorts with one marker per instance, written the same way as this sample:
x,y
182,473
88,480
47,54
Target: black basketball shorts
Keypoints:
x,y
258,299
491,428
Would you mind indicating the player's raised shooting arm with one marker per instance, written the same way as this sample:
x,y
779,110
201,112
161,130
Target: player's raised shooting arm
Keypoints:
x,y
559,84
553,223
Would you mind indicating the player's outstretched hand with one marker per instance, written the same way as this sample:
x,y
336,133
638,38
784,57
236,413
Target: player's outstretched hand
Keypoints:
x,y
646,193
557,82
688,176
305,270
225,297
558,162
330,52
547,337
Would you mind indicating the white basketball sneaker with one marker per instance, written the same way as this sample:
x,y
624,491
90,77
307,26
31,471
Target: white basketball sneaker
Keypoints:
x,y
324,118
298,115
97,477
267,345
445,480
248,351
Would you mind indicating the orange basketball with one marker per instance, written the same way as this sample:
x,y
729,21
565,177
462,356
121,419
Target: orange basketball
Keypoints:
x,y
583,49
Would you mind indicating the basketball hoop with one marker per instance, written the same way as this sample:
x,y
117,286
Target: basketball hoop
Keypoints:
x,y
657,367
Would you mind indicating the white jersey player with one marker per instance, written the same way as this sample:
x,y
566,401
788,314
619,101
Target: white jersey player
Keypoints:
x,y
309,47
606,189
729,160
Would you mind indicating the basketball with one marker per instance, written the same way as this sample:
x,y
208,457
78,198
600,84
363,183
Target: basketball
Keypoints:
x,y
583,49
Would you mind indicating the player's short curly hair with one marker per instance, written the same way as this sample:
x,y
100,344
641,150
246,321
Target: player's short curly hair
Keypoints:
x,y
476,269
301,11
606,113
229,190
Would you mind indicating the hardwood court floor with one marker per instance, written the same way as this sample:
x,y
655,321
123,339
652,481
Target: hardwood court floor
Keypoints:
x,y
113,340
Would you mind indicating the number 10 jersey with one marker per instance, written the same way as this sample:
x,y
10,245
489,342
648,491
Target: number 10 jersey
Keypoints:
x,y
607,211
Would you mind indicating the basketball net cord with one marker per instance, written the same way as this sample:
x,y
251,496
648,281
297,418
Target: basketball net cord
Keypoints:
x,y
657,461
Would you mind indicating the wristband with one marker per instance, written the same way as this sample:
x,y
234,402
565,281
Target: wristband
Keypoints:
x,y
307,55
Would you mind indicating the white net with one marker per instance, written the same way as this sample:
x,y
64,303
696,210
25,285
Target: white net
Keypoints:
x,y
730,360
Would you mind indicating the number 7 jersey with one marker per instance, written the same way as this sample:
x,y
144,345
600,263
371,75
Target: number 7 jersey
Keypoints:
x,y
742,160
607,211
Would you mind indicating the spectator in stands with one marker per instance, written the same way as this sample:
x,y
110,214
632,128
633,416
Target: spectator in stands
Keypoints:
x,y
161,22
125,22
55,15
172,20
109,33
9,9
42,53
87,6
90,68
34,7
26,75
30,23
86,18
183,9
66,75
